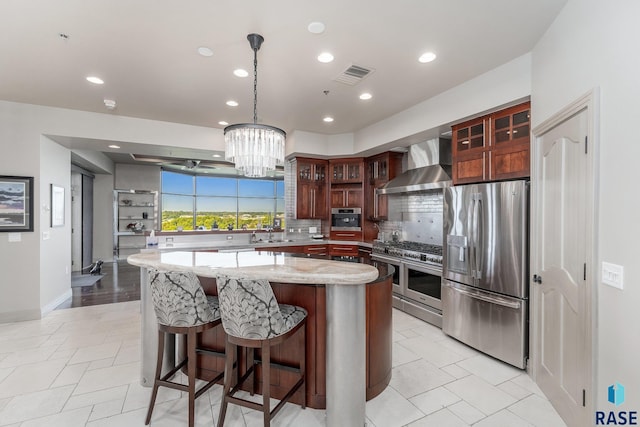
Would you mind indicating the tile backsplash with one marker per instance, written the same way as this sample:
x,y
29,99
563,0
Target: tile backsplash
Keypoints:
x,y
415,216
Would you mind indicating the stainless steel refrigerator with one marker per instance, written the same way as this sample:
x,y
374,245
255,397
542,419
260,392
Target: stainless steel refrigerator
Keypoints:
x,y
485,285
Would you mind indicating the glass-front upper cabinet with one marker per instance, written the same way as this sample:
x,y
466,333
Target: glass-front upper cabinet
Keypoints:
x,y
344,170
512,125
312,170
470,135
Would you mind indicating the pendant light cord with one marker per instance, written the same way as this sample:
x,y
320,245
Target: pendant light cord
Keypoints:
x,y
255,86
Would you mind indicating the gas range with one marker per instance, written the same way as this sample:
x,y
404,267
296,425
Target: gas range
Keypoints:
x,y
413,251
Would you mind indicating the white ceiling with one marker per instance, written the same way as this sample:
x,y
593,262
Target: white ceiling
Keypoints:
x,y
146,52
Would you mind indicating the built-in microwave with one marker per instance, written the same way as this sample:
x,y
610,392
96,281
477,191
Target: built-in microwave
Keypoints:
x,y
346,219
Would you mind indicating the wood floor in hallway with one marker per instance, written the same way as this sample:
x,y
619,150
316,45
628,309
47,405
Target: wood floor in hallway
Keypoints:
x,y
121,283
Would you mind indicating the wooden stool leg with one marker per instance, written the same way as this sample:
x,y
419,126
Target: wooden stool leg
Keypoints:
x,y
251,357
228,379
159,360
303,357
266,382
191,372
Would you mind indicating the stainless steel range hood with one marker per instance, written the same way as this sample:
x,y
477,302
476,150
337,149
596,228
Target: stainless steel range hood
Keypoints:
x,y
429,168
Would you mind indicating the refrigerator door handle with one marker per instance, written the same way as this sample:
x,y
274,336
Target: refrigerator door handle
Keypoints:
x,y
484,297
479,237
470,228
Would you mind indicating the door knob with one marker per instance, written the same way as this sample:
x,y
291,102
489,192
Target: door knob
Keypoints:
x,y
537,279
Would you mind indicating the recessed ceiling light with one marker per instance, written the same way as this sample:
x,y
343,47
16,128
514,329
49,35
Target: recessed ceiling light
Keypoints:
x,y
365,96
328,119
316,28
95,80
240,72
427,57
216,155
325,57
222,123
114,146
232,103
205,51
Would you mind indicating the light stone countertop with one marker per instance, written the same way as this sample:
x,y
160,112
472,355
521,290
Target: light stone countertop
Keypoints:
x,y
258,246
274,267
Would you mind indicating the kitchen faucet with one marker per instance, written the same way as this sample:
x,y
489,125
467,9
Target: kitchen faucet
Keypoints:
x,y
254,238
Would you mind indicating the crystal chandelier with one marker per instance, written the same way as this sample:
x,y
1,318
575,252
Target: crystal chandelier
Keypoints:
x,y
254,148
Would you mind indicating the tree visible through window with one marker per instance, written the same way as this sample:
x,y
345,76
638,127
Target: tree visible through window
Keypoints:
x,y
203,202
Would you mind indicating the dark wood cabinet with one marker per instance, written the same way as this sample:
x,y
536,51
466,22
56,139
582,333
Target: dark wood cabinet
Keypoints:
x,y
315,249
492,147
345,170
343,250
346,190
346,197
470,149
381,169
510,130
346,235
311,189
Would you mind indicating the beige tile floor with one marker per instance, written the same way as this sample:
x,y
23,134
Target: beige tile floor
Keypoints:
x,y
80,367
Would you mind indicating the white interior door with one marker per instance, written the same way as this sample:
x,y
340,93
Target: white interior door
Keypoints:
x,y
561,247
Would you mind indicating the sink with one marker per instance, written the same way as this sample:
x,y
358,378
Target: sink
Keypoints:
x,y
275,241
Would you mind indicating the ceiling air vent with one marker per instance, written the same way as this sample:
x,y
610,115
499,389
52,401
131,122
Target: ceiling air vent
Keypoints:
x,y
353,75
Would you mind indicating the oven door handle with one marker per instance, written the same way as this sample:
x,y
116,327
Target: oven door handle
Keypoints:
x,y
423,268
484,297
386,259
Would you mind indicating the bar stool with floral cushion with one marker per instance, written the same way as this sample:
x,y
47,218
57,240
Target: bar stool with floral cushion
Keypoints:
x,y
252,318
182,308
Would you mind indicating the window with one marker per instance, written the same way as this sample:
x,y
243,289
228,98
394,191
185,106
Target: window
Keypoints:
x,y
204,201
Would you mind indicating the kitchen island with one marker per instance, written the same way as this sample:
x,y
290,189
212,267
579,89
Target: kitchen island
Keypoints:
x,y
348,349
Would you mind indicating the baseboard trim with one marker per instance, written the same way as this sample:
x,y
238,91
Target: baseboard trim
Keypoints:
x,y
56,302
20,316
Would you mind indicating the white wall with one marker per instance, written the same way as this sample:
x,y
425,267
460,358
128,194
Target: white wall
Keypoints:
x,y
136,177
302,143
103,217
55,252
594,44
19,261
31,280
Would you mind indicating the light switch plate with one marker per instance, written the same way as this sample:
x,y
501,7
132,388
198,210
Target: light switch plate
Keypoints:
x,y
613,275
15,237
313,230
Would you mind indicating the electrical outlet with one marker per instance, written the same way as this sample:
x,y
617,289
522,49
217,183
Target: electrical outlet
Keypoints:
x,y
229,237
46,235
613,275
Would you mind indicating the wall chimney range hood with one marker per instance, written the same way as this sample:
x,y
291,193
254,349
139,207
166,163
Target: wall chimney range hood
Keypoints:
x,y
429,166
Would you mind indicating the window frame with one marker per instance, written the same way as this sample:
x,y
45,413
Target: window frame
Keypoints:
x,y
194,196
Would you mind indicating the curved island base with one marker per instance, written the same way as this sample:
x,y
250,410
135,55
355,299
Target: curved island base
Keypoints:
x,y
378,344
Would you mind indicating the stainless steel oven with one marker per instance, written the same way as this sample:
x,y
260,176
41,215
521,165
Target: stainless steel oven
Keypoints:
x,y
416,288
423,284
398,267
346,219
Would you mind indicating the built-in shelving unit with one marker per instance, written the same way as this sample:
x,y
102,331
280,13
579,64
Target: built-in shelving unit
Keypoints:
x,y
135,212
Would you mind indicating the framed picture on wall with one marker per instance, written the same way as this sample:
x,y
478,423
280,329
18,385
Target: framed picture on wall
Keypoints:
x,y
16,203
57,206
